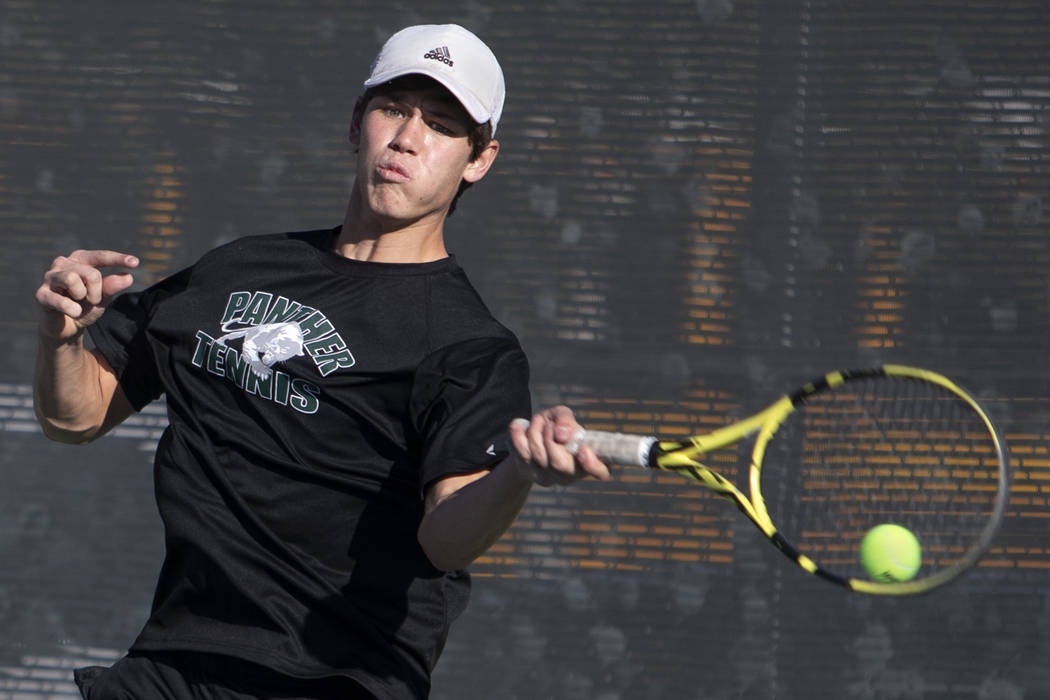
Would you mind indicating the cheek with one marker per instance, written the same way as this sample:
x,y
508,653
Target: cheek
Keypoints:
x,y
453,163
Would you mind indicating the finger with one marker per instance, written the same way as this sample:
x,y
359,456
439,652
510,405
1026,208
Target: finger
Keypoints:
x,y
537,443
84,282
565,425
100,288
115,284
69,281
523,450
104,258
592,465
50,300
517,429
93,282
559,458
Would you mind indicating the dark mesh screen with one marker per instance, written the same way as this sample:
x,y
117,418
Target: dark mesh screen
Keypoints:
x,y
698,204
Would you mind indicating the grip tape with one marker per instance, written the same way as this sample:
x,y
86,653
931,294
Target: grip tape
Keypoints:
x,y
621,448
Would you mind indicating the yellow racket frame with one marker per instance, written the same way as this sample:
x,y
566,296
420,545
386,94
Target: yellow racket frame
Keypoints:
x,y
682,458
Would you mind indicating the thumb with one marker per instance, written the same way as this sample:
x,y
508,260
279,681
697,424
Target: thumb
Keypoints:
x,y
115,284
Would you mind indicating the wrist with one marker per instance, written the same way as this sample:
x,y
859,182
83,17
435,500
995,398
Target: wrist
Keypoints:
x,y
54,342
521,470
59,331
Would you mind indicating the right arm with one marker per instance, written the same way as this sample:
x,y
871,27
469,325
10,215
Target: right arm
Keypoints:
x,y
465,514
76,394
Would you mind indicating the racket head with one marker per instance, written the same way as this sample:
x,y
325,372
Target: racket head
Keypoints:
x,y
892,444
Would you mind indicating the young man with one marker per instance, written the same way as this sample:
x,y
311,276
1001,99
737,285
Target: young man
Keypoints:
x,y
338,401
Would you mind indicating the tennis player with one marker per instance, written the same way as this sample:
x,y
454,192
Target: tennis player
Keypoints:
x,y
339,403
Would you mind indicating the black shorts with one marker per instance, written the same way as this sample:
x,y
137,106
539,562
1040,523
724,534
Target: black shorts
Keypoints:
x,y
190,676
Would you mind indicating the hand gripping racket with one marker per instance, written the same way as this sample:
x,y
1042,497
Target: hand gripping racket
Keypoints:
x,y
846,452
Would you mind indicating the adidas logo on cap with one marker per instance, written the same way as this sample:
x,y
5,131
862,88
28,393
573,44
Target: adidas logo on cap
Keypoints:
x,y
440,54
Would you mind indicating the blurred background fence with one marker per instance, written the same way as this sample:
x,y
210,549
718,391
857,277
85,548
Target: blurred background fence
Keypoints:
x,y
698,203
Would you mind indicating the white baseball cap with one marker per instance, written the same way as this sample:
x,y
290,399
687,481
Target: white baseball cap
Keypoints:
x,y
451,55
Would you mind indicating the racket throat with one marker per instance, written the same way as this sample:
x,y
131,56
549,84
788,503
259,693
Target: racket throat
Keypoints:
x,y
805,562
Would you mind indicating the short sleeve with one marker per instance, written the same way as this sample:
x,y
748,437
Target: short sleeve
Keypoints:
x,y
463,399
122,335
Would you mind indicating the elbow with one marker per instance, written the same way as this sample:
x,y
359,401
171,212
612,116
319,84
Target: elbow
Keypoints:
x,y
68,437
447,545
443,556
66,434
447,565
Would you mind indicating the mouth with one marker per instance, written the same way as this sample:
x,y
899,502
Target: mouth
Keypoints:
x,y
392,172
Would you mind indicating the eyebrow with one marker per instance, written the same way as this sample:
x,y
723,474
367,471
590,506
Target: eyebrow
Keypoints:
x,y
436,104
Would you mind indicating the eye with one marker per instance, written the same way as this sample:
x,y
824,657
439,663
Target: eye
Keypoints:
x,y
441,128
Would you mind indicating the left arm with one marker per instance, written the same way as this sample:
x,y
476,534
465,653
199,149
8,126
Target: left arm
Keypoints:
x,y
465,514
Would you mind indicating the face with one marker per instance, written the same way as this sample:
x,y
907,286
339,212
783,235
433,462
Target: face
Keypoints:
x,y
413,152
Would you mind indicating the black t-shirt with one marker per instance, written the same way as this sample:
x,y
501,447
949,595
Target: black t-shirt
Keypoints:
x,y
311,399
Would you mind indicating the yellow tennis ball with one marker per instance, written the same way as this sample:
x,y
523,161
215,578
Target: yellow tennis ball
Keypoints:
x,y
890,553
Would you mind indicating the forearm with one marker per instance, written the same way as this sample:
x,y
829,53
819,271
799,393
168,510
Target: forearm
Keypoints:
x,y
75,393
462,526
67,391
465,515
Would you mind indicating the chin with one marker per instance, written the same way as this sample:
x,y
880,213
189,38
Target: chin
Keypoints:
x,y
393,215
383,208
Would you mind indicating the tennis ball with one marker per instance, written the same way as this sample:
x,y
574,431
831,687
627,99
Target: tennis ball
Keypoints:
x,y
890,553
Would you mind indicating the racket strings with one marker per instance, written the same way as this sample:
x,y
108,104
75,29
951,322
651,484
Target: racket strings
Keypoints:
x,y
881,450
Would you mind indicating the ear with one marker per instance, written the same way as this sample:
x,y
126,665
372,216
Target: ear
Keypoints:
x,y
355,121
477,168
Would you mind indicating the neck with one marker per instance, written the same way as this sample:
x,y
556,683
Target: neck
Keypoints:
x,y
369,238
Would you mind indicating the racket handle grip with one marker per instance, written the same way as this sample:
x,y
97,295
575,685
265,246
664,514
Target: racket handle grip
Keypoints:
x,y
621,448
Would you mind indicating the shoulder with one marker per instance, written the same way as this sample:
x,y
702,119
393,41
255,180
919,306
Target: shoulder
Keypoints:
x,y
256,246
473,373
458,313
253,252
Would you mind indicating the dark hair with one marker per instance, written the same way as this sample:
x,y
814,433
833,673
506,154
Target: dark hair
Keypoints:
x,y
478,135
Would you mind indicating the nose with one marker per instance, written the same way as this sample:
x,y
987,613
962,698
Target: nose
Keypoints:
x,y
410,134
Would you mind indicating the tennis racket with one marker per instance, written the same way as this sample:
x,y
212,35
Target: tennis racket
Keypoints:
x,y
848,451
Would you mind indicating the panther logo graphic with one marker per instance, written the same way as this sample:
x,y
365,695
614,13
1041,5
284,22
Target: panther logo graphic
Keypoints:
x,y
266,345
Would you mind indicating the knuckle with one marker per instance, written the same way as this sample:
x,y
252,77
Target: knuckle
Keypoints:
x,y
65,278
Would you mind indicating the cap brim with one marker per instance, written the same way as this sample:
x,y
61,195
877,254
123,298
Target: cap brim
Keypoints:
x,y
470,103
